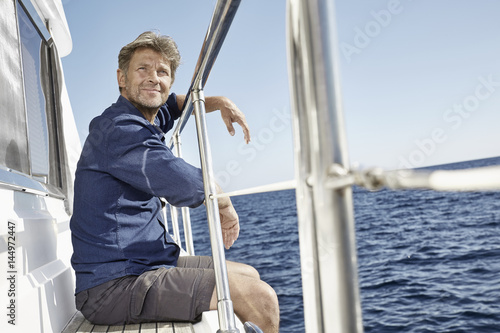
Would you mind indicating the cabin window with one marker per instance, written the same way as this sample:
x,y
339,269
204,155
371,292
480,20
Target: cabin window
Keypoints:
x,y
39,95
31,49
13,134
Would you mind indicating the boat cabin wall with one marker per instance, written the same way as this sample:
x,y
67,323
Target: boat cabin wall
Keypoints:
x,y
37,282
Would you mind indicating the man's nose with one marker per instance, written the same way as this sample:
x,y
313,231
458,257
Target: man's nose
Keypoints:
x,y
153,77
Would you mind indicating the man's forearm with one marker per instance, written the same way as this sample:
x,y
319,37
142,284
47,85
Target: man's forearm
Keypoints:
x,y
212,103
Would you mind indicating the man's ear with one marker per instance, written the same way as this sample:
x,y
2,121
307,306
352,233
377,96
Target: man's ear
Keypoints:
x,y
121,78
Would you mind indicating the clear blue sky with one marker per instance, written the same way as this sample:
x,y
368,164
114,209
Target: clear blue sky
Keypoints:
x,y
420,79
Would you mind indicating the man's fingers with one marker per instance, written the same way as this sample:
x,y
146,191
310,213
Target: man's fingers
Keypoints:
x,y
230,235
242,122
229,126
246,130
228,240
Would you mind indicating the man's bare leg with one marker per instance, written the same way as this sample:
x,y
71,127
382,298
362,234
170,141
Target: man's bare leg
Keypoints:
x,y
253,299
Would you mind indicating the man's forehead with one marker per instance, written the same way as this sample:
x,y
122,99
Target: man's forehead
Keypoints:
x,y
146,55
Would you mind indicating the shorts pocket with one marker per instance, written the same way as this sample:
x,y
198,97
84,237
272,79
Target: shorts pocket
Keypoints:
x,y
140,290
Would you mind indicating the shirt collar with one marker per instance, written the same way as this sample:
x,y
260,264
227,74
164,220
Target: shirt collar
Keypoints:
x,y
133,110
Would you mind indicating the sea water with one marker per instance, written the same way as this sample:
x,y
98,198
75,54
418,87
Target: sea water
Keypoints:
x,y
427,261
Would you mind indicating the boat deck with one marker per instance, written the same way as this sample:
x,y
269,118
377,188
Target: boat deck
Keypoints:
x,y
79,324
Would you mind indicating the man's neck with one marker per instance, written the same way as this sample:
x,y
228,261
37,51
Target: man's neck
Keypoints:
x,y
149,114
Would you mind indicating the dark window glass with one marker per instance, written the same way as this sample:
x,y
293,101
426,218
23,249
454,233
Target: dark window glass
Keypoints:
x,y
13,135
31,49
38,94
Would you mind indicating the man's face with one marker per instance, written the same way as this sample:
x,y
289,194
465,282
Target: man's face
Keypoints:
x,y
148,80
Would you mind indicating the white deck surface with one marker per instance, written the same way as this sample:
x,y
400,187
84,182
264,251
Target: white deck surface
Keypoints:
x,y
79,324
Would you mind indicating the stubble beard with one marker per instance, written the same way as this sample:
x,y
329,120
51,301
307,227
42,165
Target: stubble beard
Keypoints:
x,y
142,102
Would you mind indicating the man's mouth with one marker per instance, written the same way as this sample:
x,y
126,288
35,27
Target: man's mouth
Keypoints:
x,y
151,90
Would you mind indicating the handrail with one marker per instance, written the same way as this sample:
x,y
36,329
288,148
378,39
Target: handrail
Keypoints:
x,y
224,304
473,179
286,185
324,193
222,18
459,180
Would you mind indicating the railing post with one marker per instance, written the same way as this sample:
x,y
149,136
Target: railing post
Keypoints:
x,y
219,26
326,221
175,224
225,310
188,235
165,204
186,217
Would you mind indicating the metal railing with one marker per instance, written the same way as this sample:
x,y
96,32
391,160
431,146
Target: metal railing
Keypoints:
x,y
473,179
222,18
324,181
219,26
326,222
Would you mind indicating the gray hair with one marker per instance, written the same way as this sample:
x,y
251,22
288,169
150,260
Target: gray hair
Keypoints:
x,y
149,39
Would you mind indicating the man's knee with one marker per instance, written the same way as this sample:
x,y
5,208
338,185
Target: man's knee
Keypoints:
x,y
267,293
251,272
261,294
255,300
242,269
266,301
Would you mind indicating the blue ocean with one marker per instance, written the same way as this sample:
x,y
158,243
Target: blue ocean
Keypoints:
x,y
427,261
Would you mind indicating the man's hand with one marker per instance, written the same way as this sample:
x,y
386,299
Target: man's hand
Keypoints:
x,y
230,225
231,114
228,110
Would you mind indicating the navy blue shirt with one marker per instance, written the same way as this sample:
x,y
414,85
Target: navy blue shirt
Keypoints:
x,y
117,226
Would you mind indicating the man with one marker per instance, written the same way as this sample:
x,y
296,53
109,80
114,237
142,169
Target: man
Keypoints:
x,y
128,268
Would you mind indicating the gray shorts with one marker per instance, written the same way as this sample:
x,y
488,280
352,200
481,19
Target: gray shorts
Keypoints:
x,y
180,293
